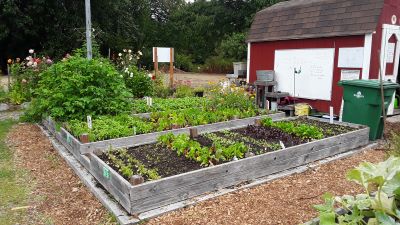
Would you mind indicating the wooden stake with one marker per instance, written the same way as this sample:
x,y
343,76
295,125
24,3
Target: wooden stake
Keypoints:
x,y
136,180
193,132
84,138
155,62
171,67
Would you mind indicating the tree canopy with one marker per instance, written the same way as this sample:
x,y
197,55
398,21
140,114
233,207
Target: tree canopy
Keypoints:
x,y
56,27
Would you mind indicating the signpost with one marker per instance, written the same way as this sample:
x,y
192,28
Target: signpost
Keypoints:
x,y
164,55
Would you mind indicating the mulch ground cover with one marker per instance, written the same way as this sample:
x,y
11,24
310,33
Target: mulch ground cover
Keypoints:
x,y
58,196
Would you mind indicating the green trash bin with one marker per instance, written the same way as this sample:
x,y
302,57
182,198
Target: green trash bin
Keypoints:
x,y
363,104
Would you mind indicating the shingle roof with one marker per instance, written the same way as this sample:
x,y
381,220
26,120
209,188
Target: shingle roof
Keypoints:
x,y
300,19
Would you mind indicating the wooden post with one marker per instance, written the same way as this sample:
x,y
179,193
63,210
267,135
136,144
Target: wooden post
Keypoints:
x,y
8,77
84,138
136,180
193,132
155,62
171,67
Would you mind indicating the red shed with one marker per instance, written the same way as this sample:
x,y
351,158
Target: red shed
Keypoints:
x,y
327,40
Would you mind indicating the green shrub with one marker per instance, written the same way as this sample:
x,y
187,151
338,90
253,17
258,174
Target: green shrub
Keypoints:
x,y
217,64
184,62
138,82
160,88
77,87
183,91
3,95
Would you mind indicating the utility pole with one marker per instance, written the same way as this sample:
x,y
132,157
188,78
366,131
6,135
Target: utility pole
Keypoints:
x,y
88,29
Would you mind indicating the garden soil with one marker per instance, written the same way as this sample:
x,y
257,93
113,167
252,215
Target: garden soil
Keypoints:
x,y
57,196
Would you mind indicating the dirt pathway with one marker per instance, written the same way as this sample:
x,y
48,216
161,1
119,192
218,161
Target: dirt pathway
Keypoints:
x,y
58,196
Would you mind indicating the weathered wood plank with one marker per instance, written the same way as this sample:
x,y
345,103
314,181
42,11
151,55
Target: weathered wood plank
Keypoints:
x,y
180,187
111,181
187,192
142,139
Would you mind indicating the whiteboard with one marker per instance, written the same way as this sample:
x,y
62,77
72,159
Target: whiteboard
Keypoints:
x,y
163,54
315,79
351,57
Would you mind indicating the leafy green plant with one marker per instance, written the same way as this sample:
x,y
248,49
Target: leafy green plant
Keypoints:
x,y
183,90
160,104
77,87
379,208
222,150
303,131
128,166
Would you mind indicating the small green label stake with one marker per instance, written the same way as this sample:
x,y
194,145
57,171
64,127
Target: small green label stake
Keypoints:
x,y
106,173
68,139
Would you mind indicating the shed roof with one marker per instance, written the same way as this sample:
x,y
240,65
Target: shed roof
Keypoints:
x,y
301,19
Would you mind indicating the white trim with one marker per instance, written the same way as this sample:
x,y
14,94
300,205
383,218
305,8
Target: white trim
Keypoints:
x,y
391,27
248,63
387,32
367,56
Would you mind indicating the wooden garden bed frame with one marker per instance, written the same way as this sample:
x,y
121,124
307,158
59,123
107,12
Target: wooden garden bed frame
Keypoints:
x,y
155,194
75,146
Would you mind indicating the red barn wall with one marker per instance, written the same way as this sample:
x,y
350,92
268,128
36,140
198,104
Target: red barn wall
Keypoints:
x,y
390,8
262,57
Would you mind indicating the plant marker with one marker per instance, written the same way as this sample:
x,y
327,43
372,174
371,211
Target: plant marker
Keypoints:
x,y
151,101
282,145
331,115
89,122
134,130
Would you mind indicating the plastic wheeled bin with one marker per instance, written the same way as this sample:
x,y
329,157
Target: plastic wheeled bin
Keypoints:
x,y
363,104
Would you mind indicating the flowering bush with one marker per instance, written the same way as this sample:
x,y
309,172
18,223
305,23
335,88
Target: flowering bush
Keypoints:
x,y
127,58
25,76
138,82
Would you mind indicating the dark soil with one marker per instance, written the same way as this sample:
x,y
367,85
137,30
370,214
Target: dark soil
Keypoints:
x,y
167,163
270,134
164,160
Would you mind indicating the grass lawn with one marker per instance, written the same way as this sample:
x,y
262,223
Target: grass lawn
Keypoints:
x,y
13,190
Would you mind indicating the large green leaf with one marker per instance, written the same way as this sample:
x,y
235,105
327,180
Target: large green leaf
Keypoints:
x,y
385,219
327,218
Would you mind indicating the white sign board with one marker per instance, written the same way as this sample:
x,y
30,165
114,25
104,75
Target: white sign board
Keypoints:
x,y
350,75
351,57
315,78
163,54
390,52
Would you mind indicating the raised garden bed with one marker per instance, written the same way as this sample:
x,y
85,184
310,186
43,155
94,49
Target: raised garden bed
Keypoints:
x,y
76,147
190,179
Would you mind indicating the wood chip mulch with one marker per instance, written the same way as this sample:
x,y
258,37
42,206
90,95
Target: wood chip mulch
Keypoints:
x,y
283,201
58,196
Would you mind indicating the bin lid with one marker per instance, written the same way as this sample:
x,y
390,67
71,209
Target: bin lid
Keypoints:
x,y
368,83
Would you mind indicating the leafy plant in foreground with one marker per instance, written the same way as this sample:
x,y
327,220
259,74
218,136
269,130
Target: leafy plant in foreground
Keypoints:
x,y
371,209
